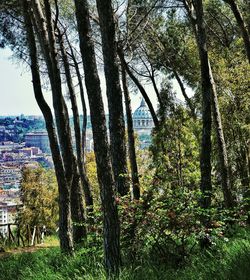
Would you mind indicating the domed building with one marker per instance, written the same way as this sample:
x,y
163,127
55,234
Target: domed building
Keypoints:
x,y
142,119
143,124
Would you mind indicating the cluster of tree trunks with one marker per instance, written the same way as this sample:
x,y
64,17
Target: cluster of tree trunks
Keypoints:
x,y
209,104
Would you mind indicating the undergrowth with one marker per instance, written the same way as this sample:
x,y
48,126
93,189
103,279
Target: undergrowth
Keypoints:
x,y
226,260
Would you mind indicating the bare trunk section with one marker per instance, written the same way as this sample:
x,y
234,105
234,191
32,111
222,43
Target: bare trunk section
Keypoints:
x,y
183,90
205,156
114,95
101,147
131,139
222,150
77,209
208,85
84,108
46,35
87,190
77,129
65,226
79,230
205,64
139,86
243,28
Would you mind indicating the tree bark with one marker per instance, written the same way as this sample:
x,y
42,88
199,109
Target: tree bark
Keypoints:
x,y
114,95
77,129
131,138
79,230
209,94
84,108
46,36
183,90
222,150
243,28
101,147
65,225
205,156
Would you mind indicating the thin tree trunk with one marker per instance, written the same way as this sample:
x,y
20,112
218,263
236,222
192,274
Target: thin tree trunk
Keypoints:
x,y
243,28
180,172
205,156
104,170
88,192
84,108
114,95
47,40
139,86
65,225
79,230
184,93
222,150
131,138
210,88
77,129
152,78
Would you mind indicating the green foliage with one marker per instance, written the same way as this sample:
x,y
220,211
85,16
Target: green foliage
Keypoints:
x,y
92,176
39,197
175,150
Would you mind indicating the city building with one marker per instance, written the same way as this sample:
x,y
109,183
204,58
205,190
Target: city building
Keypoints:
x,y
38,139
143,124
8,213
89,143
142,119
9,146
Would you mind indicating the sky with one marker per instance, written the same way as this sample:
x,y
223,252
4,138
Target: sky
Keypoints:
x,y
16,91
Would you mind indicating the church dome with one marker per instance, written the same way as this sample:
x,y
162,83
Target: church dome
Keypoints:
x,y
142,119
142,112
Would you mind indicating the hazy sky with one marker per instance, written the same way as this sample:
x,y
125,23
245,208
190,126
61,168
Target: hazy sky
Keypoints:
x,y
16,92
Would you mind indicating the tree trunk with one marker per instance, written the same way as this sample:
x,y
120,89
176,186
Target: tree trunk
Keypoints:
x,y
222,150
80,229
47,40
209,89
114,95
131,138
84,108
77,129
101,148
184,93
65,225
243,28
205,156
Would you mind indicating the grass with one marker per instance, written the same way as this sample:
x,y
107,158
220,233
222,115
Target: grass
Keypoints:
x,y
227,261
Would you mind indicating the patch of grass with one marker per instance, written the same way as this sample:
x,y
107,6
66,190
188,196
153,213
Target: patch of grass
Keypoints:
x,y
227,261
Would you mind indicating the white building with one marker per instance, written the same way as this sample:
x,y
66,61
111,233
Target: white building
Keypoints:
x,y
142,119
8,211
143,124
